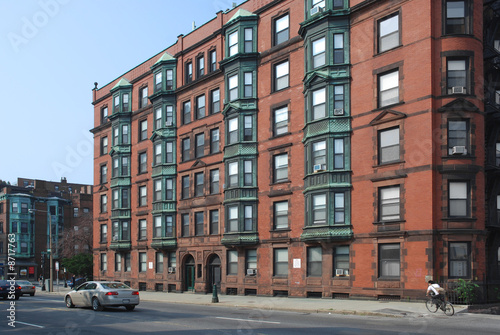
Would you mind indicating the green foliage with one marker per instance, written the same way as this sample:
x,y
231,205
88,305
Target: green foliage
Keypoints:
x,y
81,264
466,290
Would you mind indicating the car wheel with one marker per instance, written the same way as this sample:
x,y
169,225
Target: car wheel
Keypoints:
x,y
96,305
130,307
69,302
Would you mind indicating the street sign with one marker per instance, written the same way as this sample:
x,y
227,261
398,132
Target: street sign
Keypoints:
x,y
57,266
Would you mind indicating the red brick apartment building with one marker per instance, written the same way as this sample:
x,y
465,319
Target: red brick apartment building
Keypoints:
x,y
312,148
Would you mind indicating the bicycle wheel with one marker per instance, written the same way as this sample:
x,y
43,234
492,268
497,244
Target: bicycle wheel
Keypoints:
x,y
449,309
431,306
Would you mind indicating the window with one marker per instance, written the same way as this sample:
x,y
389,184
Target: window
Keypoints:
x,y
338,4
158,81
456,76
169,158
143,262
172,259
186,147
214,181
247,173
388,33
159,262
232,220
280,121
248,32
143,228
233,174
281,76
127,265
458,134
116,135
104,115
281,29
319,104
319,3
104,203
104,262
247,128
169,189
189,72
157,150
170,116
158,117
200,145
24,225
338,100
143,162
319,156
341,261
198,188
459,260
185,224
459,199
280,168
456,21
104,145
118,262
213,60
124,170
214,141
388,88
319,209
125,103
116,104
314,262
170,80
201,66
104,233
280,267
143,133
143,199
157,229
185,187
389,203
120,231
338,154
388,257
233,130
251,260
169,226
232,262
248,87
186,112
215,101
249,218
388,150
318,52
200,107
281,215
125,139
233,43
157,190
339,208
214,222
198,223
338,48
233,87
143,97
104,174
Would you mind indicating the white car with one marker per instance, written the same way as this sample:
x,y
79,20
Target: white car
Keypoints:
x,y
100,294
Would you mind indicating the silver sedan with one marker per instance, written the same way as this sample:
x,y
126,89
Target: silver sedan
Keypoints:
x,y
100,294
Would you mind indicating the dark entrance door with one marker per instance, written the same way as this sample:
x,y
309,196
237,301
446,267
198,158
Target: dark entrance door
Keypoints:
x,y
214,273
189,273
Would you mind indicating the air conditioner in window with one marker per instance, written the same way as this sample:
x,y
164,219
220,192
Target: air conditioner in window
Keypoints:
x,y
168,123
318,168
338,111
171,269
251,272
339,272
458,150
316,10
458,89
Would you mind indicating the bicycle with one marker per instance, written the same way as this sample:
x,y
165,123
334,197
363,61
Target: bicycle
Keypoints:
x,y
446,306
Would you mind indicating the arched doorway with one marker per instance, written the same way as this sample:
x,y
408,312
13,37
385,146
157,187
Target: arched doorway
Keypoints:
x,y
189,271
214,273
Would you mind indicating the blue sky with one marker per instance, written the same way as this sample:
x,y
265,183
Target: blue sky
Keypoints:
x,y
52,52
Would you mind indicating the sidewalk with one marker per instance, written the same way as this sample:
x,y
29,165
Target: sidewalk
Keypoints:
x,y
307,305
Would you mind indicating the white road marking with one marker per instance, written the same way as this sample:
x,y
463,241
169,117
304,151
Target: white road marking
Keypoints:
x,y
30,324
248,320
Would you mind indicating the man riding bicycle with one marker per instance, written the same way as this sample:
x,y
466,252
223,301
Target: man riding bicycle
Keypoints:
x,y
434,290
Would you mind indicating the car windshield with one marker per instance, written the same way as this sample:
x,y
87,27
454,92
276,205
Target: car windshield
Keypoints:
x,y
114,285
23,282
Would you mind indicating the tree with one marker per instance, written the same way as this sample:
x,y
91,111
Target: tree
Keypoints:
x,y
81,264
78,238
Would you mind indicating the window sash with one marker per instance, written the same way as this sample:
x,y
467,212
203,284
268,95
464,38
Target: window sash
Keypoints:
x,y
281,72
389,33
282,29
314,262
389,89
389,260
389,203
280,167
281,215
319,52
233,87
281,121
389,146
281,262
233,43
319,209
319,103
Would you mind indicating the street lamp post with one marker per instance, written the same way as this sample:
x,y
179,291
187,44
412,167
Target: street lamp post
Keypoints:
x,y
51,282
